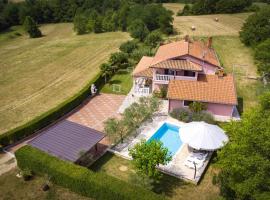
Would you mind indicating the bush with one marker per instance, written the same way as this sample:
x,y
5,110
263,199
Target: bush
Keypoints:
x,y
129,46
47,118
31,27
197,107
27,174
185,12
203,116
79,179
153,39
181,114
138,30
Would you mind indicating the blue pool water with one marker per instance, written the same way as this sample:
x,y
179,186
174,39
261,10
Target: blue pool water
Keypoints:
x,y
168,134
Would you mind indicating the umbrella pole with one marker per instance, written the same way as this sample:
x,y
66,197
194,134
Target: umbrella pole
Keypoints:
x,y
195,169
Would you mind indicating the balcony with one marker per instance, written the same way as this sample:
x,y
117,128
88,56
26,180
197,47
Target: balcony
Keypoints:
x,y
161,78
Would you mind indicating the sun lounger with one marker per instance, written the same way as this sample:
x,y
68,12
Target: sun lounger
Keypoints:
x,y
199,156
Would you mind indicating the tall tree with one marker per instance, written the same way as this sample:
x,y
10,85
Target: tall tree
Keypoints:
x,y
31,27
138,30
256,28
106,71
245,160
147,156
262,54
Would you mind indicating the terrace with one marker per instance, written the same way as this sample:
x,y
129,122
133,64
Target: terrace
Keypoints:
x,y
176,167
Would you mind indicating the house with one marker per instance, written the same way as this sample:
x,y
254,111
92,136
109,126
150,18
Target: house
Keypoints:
x,y
190,71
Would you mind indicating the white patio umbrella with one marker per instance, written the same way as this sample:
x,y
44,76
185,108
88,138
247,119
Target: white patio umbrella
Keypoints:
x,y
203,136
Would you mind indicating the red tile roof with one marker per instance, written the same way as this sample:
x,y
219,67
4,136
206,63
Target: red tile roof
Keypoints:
x,y
143,67
208,88
196,49
178,64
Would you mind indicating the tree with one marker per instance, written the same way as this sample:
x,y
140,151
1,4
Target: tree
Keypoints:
x,y
147,156
115,129
106,70
31,28
256,28
80,24
262,54
186,11
245,160
138,30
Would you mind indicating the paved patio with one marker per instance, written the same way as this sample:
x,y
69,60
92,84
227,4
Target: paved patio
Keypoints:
x,y
94,113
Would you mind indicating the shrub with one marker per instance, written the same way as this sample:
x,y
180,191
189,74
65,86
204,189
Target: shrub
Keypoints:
x,y
185,12
79,179
181,114
129,46
137,54
197,107
47,118
153,39
27,174
31,27
203,116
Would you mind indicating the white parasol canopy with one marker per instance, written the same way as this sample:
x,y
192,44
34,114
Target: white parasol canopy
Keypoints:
x,y
203,136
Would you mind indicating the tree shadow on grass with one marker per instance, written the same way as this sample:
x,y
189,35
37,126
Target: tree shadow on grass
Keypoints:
x,y
115,82
122,71
168,184
97,166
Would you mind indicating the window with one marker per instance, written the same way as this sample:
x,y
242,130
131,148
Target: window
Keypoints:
x,y
189,73
187,103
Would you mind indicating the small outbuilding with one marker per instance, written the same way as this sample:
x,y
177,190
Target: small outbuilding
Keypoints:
x,y
69,141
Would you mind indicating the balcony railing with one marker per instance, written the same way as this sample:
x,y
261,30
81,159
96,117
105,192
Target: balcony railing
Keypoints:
x,y
167,78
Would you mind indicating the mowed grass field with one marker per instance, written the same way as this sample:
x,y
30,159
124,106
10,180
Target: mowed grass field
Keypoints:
x,y
233,54
228,24
38,74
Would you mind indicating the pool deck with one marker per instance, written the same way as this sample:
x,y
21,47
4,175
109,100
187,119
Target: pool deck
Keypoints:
x,y
175,167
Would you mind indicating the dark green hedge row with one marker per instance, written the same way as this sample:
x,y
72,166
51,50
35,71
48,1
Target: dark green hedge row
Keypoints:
x,y
47,118
80,179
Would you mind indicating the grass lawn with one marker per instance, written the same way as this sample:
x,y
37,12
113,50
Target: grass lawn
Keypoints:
x,y
38,74
238,59
122,78
175,7
172,187
13,188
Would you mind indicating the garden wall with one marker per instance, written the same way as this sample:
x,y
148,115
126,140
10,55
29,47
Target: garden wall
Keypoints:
x,y
99,186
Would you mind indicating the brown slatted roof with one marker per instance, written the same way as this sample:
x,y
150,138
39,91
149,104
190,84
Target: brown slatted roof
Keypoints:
x,y
208,88
178,64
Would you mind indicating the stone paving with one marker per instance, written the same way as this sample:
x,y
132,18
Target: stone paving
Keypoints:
x,y
94,113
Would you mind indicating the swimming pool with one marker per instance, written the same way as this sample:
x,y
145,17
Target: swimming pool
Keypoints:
x,y
168,134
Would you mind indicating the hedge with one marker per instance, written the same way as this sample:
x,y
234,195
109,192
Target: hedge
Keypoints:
x,y
47,118
80,179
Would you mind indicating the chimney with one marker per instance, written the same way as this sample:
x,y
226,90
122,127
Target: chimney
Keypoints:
x,y
187,38
209,43
220,73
